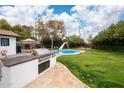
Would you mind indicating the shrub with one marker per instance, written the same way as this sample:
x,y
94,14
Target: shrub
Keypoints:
x,y
74,41
46,41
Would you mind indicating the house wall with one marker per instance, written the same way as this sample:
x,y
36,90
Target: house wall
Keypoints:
x,y
11,49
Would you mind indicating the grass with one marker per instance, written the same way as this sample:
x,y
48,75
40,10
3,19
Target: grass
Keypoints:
x,y
96,68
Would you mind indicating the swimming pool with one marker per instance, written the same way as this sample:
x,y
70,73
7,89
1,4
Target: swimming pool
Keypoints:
x,y
67,52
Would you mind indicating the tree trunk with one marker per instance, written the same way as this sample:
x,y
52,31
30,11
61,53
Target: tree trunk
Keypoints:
x,y
51,43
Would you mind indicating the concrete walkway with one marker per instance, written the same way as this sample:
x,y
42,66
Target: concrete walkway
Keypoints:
x,y
57,77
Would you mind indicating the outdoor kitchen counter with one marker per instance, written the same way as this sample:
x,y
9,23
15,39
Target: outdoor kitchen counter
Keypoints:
x,y
11,61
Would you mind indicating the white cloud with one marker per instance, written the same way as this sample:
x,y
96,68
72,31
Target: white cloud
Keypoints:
x,y
70,23
97,20
21,14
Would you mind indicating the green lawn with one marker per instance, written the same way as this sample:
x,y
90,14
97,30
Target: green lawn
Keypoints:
x,y
97,68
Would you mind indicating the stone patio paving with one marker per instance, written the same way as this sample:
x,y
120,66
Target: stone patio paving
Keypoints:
x,y
57,77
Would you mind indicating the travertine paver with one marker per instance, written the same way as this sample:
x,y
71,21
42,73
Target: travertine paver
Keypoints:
x,y
57,77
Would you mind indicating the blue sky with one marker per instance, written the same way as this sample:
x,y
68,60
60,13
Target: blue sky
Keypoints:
x,y
122,16
58,9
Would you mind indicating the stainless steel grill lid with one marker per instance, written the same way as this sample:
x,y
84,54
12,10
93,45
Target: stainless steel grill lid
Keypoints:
x,y
42,51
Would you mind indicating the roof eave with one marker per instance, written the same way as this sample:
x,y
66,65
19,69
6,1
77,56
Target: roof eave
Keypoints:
x,y
9,35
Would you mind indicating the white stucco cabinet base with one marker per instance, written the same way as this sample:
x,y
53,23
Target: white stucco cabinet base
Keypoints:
x,y
21,74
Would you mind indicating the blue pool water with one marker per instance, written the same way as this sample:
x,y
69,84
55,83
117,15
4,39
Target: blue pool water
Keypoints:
x,y
67,52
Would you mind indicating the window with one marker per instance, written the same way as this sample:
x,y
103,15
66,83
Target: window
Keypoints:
x,y
4,41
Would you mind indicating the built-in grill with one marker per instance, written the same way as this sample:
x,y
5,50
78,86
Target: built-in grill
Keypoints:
x,y
43,66
43,55
44,59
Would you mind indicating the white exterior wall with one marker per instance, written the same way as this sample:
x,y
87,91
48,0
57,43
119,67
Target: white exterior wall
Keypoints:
x,y
19,75
22,74
35,34
52,61
11,49
5,81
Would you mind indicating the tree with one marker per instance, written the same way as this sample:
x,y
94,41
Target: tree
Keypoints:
x,y
27,29
74,41
111,38
90,38
21,30
56,28
46,41
40,27
5,25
